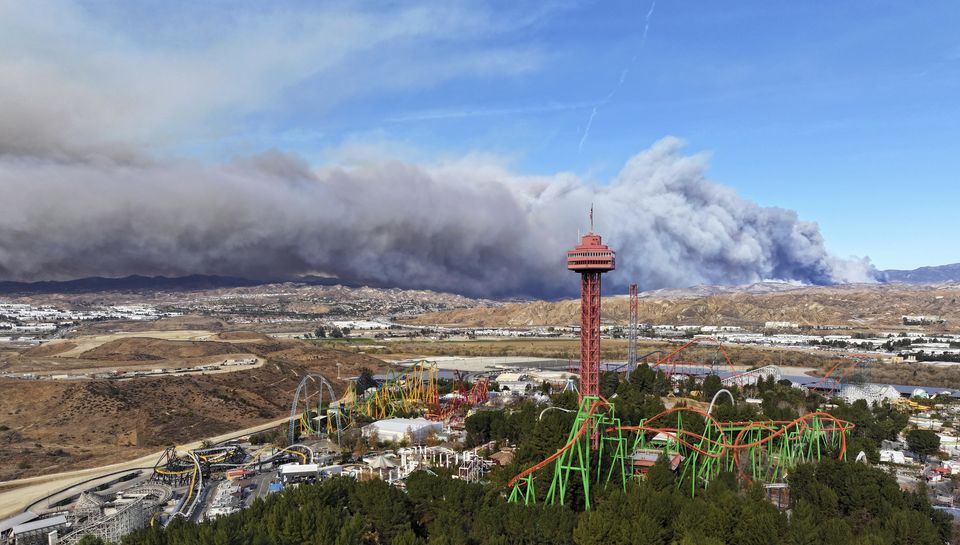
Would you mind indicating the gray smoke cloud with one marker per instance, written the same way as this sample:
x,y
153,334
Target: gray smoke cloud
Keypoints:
x,y
469,226
92,117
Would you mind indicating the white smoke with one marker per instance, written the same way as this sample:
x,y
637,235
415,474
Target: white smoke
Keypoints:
x,y
469,227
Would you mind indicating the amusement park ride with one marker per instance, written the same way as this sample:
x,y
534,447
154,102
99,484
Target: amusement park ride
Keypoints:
x,y
599,448
413,392
316,412
590,259
762,451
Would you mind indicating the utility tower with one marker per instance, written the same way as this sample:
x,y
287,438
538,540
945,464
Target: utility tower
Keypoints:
x,y
632,332
590,258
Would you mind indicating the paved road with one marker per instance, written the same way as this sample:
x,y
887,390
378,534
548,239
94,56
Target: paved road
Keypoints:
x,y
16,495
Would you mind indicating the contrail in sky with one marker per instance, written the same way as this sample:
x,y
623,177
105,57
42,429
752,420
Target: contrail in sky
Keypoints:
x,y
623,77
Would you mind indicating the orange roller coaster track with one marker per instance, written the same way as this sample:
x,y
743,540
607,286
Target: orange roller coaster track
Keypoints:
x,y
669,362
702,448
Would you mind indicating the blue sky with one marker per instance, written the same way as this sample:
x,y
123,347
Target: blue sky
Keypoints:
x,y
845,112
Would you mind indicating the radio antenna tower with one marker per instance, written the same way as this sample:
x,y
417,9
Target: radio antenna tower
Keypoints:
x,y
632,332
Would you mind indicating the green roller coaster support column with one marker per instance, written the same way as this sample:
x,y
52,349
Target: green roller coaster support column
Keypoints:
x,y
576,458
621,456
619,450
574,461
528,494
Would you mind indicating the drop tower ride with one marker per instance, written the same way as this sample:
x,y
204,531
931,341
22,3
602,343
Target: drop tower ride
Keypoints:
x,y
590,259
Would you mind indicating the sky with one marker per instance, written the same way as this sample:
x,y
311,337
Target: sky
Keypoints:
x,y
844,113
847,113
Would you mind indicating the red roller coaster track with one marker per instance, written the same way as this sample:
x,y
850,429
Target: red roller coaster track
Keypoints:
x,y
791,430
670,362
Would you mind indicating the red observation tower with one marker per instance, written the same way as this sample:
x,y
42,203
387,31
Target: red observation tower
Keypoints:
x,y
590,258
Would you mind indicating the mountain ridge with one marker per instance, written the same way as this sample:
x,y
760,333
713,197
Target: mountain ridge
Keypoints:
x,y
133,283
197,282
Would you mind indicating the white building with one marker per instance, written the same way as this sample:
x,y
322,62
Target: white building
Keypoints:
x,y
398,429
298,472
892,457
781,325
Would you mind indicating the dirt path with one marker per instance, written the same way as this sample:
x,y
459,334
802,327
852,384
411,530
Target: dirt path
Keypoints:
x,y
16,495
88,342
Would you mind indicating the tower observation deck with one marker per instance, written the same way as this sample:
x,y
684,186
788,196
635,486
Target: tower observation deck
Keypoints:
x,y
590,258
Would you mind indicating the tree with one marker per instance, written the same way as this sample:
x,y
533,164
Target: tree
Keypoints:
x,y
923,442
373,440
365,381
711,385
320,333
608,383
660,476
386,509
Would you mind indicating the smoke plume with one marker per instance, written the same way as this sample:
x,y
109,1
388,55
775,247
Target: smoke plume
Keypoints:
x,y
470,227
91,183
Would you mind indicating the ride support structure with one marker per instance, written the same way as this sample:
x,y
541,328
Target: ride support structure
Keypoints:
x,y
478,394
762,451
632,331
310,408
403,393
669,363
572,464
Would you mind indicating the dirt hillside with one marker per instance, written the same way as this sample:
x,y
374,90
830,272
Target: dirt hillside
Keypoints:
x,y
49,426
861,306
139,348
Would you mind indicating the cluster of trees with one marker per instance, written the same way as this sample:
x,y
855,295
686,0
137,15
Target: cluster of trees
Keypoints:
x,y
278,436
501,426
365,380
334,332
923,442
832,503
873,424
901,342
923,356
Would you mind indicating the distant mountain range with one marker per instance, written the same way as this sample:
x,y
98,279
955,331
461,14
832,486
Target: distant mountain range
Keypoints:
x,y
194,282
925,275
198,282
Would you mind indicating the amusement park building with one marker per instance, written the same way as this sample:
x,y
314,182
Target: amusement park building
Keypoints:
x,y
399,429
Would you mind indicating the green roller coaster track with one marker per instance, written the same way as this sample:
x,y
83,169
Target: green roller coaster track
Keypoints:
x,y
761,451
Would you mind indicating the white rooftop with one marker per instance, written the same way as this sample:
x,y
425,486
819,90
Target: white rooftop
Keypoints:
x,y
40,524
20,518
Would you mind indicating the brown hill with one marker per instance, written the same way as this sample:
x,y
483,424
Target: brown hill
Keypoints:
x,y
48,426
242,336
145,349
861,306
49,349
